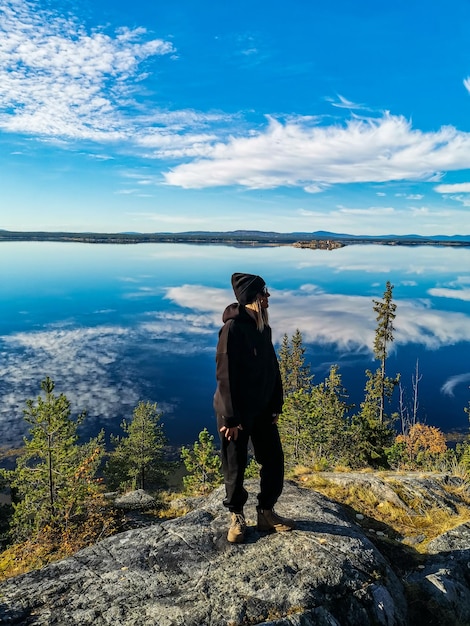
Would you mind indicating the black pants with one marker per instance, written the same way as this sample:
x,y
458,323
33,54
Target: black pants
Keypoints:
x,y
268,453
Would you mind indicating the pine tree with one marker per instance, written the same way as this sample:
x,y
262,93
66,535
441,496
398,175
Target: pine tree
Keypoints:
x,y
296,383
314,423
371,427
202,464
54,475
284,359
385,310
332,432
370,436
295,374
137,460
296,428
300,375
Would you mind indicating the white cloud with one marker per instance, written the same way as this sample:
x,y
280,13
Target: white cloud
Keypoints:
x,y
297,154
463,199
142,292
57,79
62,81
168,143
369,211
459,192
456,188
456,294
101,157
410,196
344,103
452,382
420,211
457,289
316,187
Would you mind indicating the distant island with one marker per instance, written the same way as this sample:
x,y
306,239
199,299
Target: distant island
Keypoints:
x,y
316,240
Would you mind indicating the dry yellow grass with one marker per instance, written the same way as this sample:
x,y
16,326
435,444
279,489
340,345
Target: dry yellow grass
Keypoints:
x,y
414,519
54,544
25,557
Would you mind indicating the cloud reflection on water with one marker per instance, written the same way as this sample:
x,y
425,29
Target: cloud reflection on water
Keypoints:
x,y
108,368
85,360
341,319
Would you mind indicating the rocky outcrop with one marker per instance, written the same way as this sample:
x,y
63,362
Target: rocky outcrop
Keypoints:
x,y
134,500
444,581
402,488
327,572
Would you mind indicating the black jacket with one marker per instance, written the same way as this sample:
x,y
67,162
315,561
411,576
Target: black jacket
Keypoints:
x,y
247,370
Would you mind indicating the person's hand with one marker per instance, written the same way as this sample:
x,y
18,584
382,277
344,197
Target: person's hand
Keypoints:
x,y
231,433
275,418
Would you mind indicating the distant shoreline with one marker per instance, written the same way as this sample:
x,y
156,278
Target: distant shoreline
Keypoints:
x,y
317,240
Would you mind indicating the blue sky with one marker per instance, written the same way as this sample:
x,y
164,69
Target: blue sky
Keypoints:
x,y
195,115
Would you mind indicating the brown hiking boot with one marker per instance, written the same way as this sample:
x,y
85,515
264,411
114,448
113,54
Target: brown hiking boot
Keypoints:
x,y
269,520
236,532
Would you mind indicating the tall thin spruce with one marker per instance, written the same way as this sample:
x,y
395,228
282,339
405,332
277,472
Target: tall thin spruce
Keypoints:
x,y
385,310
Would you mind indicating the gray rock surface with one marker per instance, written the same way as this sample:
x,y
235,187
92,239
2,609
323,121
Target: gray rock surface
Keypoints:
x,y
402,488
134,500
183,572
445,579
333,570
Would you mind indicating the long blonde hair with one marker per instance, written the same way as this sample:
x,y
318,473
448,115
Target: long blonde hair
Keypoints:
x,y
260,315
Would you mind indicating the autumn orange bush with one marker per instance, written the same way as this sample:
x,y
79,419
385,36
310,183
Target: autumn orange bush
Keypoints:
x,y
421,446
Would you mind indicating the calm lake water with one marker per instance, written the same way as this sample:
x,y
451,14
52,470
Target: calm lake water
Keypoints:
x,y
115,324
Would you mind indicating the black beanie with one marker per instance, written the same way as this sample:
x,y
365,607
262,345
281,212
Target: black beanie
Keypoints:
x,y
246,287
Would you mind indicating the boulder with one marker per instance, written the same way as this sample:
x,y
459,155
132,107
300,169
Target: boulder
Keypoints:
x,y
183,572
137,500
443,584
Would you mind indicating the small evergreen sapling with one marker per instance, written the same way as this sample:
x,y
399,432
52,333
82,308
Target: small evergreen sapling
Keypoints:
x,y
137,461
295,373
202,464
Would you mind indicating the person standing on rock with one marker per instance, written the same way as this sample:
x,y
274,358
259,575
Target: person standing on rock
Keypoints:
x,y
247,402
